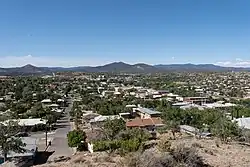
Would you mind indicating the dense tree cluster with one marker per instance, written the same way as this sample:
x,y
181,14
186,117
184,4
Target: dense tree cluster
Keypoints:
x,y
120,138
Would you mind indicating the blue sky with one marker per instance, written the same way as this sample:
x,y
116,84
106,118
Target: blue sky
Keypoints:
x,y
95,32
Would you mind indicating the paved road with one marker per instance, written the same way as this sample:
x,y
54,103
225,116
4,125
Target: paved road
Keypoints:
x,y
59,142
58,138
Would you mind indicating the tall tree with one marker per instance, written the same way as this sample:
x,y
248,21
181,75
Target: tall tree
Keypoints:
x,y
8,140
77,138
113,127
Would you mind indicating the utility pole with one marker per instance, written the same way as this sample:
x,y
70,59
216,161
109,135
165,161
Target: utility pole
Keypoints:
x,y
46,135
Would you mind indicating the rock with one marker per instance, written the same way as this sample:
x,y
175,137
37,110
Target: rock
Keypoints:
x,y
61,158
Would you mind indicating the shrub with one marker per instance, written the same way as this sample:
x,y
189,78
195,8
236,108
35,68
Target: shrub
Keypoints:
x,y
113,127
196,145
149,159
38,127
178,157
106,145
76,138
139,134
131,145
187,155
124,145
164,145
225,129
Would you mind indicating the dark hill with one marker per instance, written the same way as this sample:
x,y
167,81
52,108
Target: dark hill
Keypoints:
x,y
120,67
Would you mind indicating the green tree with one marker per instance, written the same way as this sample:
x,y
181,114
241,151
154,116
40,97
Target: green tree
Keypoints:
x,y
224,128
51,119
8,140
139,134
67,89
76,138
113,127
27,94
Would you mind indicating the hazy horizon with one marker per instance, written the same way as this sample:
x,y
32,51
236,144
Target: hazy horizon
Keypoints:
x,y
119,62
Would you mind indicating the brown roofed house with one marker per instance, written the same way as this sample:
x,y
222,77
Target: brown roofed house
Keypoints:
x,y
148,123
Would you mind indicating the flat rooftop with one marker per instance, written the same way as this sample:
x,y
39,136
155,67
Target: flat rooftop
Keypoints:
x,y
148,111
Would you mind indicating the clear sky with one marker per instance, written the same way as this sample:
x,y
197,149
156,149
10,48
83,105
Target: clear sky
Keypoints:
x,y
95,32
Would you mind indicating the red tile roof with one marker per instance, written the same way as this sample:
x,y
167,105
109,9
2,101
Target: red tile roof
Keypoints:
x,y
138,122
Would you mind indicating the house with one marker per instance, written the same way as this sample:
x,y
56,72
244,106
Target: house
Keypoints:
x,y
218,105
53,106
87,116
24,159
194,131
189,129
125,115
196,100
191,106
9,96
107,93
147,123
146,112
61,102
46,102
179,98
117,93
2,99
157,96
180,104
163,92
131,106
27,124
243,122
172,95
99,120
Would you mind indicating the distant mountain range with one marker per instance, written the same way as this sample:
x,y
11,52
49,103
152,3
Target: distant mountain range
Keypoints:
x,y
120,67
25,70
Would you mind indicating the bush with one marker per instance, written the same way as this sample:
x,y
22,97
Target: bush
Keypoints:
x,y
124,146
186,155
82,146
131,145
225,129
106,145
113,127
178,157
77,138
149,158
38,127
245,136
164,145
196,145
139,134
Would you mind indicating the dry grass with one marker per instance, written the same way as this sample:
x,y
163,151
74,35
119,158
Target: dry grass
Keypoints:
x,y
212,152
225,155
101,159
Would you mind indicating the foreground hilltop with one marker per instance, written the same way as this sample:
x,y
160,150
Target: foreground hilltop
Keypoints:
x,y
212,153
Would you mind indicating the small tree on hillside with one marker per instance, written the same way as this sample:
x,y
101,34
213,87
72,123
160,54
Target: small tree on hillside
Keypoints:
x,y
77,138
8,140
113,127
225,129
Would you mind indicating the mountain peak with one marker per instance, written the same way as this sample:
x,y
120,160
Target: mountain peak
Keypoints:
x,y
118,63
29,66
